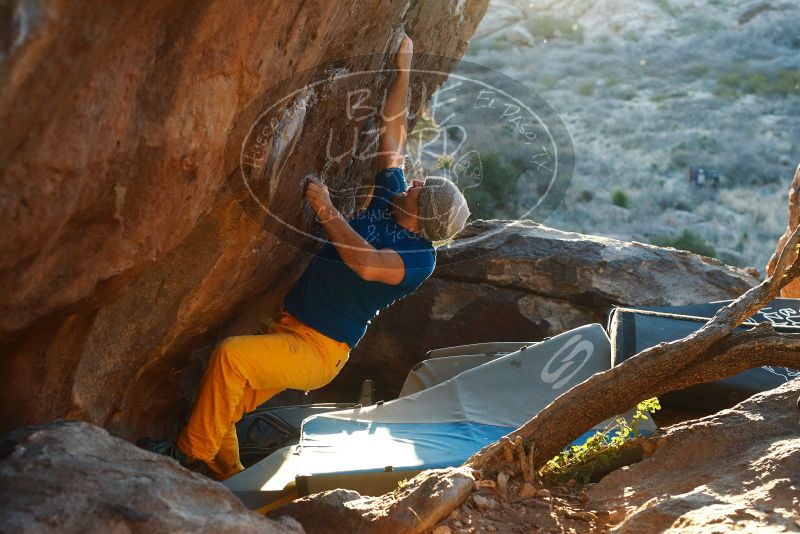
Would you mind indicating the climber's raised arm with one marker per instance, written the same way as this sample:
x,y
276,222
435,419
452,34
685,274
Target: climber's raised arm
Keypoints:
x,y
394,124
371,264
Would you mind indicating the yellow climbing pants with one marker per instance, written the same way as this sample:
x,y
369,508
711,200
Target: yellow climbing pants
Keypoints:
x,y
245,371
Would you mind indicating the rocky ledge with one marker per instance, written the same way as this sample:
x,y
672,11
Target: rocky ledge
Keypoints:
x,y
736,470
518,280
75,477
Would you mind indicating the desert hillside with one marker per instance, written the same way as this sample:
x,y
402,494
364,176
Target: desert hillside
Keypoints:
x,y
648,89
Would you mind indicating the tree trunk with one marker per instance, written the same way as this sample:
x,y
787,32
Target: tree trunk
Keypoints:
x,y
414,507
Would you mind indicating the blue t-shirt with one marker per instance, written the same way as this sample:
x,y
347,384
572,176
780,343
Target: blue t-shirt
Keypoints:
x,y
331,298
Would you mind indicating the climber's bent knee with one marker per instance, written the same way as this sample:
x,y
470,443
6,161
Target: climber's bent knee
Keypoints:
x,y
231,350
246,370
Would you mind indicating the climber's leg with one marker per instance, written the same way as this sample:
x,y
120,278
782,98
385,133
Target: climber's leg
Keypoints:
x,y
291,355
227,463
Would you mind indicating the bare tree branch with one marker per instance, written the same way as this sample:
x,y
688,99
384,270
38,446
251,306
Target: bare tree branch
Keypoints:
x,y
791,290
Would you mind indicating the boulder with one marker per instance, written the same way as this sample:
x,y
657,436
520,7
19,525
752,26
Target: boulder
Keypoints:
x,y
738,469
127,250
76,477
518,280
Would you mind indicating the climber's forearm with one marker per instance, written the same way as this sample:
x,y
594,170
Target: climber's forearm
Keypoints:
x,y
394,124
378,265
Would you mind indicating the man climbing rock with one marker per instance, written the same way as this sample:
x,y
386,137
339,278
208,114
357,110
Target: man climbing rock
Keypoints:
x,y
381,255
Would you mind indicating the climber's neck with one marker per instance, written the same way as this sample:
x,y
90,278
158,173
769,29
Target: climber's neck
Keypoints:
x,y
403,216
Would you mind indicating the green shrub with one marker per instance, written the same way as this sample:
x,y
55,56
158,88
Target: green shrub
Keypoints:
x,y
661,98
580,462
499,44
625,93
586,89
738,82
497,186
548,81
682,205
445,162
455,133
688,241
619,198
698,70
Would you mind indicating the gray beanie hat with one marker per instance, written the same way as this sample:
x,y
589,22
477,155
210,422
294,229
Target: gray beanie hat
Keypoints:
x,y
443,210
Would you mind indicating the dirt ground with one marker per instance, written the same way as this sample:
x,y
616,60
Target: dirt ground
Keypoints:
x,y
533,507
539,506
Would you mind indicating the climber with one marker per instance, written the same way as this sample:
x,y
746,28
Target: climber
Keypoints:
x,y
381,255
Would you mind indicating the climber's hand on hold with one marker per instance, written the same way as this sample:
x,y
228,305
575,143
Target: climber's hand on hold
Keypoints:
x,y
405,53
317,195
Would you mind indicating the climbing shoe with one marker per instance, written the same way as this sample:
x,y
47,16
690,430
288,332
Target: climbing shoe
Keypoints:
x,y
169,448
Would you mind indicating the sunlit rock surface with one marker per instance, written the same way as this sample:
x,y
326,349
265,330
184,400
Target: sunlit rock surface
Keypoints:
x,y
124,253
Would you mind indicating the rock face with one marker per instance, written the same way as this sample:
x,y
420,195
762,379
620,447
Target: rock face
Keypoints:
x,y
124,252
735,470
76,477
503,281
